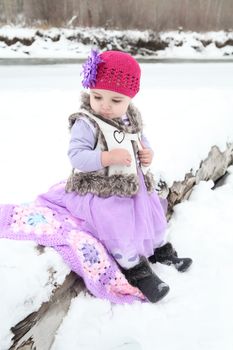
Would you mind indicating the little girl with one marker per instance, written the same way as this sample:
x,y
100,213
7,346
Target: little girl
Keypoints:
x,y
111,189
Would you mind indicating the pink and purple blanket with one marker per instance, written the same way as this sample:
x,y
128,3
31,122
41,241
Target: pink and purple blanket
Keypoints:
x,y
84,254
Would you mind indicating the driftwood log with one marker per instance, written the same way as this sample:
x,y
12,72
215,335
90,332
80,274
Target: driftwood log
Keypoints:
x,y
214,167
38,329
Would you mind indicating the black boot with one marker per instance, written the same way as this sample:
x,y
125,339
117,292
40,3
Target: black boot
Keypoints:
x,y
142,277
168,256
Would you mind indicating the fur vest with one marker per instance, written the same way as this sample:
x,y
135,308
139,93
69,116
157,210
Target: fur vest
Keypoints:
x,y
109,181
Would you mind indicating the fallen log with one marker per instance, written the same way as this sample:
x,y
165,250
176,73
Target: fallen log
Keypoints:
x,y
38,329
212,168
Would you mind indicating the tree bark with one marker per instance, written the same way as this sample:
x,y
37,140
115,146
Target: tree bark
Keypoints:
x,y
38,329
214,167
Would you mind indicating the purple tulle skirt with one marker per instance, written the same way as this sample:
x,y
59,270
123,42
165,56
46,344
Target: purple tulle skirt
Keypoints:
x,y
136,224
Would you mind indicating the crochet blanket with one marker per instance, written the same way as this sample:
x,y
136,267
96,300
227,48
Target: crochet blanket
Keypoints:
x,y
84,254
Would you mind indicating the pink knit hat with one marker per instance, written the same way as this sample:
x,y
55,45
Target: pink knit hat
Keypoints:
x,y
112,70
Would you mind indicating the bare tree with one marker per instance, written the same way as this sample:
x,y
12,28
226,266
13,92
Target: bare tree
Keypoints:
x,y
156,15
10,10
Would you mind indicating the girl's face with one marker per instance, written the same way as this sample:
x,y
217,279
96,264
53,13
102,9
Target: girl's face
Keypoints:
x,y
109,104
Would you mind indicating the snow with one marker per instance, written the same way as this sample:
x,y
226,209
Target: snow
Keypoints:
x,y
24,290
187,45
192,45
196,314
187,108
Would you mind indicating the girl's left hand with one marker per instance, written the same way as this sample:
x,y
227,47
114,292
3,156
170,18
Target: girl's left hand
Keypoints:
x,y
145,156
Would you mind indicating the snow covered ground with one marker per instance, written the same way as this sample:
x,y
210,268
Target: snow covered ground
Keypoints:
x,y
18,42
196,314
187,108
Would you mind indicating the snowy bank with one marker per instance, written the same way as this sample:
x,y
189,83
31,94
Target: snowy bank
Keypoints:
x,y
19,42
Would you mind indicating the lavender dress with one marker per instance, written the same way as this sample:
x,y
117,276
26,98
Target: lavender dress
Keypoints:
x,y
127,226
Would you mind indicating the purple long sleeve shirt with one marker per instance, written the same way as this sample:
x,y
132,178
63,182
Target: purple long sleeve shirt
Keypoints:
x,y
82,152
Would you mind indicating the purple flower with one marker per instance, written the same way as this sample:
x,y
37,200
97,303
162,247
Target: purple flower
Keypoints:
x,y
90,253
89,71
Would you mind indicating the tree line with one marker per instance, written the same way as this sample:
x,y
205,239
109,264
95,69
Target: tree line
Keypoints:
x,y
157,15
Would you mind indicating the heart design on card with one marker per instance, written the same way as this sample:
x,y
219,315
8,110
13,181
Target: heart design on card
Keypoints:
x,y
119,136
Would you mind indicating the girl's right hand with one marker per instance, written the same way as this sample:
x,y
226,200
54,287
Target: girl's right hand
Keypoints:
x,y
117,156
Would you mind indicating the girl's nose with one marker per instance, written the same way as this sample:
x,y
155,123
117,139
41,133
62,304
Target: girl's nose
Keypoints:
x,y
105,106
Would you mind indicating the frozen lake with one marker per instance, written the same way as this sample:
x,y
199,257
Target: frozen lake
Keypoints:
x,y
154,75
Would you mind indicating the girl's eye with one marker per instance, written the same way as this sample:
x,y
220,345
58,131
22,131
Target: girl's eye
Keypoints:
x,y
116,101
97,97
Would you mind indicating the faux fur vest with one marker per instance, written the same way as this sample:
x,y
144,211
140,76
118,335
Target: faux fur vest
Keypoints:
x,y
100,182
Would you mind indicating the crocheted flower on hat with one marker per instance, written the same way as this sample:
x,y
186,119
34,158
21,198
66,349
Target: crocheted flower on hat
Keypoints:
x,y
89,71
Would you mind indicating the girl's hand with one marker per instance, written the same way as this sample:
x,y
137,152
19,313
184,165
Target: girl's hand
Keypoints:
x,y
117,156
145,156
